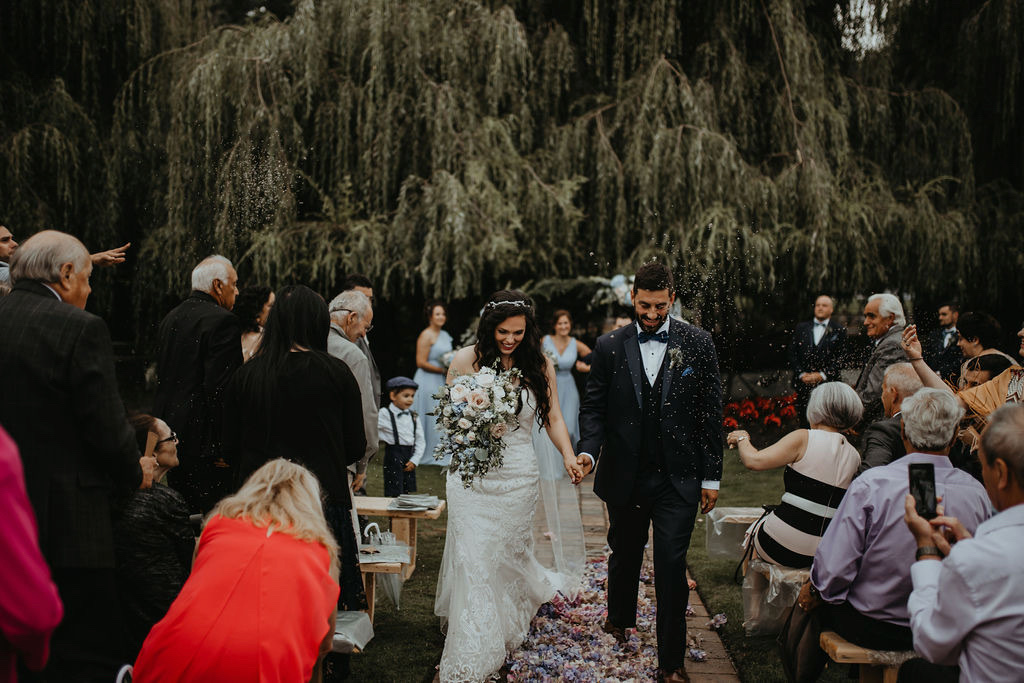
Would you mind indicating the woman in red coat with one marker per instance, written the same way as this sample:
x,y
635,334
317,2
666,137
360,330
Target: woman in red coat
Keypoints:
x,y
260,602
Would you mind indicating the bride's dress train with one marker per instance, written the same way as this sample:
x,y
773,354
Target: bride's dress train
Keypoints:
x,y
491,583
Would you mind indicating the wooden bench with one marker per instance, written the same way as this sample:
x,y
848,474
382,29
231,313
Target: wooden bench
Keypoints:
x,y
875,665
403,522
370,571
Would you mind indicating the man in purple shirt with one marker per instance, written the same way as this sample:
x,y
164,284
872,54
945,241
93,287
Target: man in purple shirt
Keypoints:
x,y
969,607
862,565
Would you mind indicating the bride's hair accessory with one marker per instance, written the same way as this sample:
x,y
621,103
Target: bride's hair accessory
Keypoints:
x,y
521,303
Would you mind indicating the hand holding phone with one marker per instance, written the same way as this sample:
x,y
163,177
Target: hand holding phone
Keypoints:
x,y
922,488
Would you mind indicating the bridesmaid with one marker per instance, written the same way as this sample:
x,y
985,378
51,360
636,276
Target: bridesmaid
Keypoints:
x,y
432,343
567,350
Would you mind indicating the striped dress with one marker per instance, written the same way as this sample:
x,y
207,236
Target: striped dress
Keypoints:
x,y
814,486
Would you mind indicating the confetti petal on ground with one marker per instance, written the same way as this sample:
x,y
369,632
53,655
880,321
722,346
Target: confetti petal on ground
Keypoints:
x,y
566,642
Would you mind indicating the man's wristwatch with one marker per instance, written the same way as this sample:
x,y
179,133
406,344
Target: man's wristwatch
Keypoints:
x,y
927,551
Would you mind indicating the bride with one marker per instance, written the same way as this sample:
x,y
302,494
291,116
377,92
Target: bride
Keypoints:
x,y
491,581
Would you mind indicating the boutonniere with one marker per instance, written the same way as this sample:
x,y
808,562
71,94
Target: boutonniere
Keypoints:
x,y
675,358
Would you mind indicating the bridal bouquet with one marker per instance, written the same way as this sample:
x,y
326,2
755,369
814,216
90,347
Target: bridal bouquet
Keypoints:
x,y
473,414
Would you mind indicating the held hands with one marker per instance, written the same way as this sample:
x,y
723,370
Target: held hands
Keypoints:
x,y
942,532
572,468
409,466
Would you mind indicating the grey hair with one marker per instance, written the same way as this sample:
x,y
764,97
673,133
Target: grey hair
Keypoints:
x,y
836,405
930,419
903,378
1003,439
41,256
352,300
888,305
209,269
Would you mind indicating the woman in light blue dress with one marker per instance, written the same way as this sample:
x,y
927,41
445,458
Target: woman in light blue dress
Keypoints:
x,y
565,351
432,344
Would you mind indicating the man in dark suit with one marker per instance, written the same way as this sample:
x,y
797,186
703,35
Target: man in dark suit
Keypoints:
x,y
63,409
941,352
652,414
816,352
200,348
883,440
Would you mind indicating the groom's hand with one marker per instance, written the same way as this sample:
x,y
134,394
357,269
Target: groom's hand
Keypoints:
x,y
708,498
586,463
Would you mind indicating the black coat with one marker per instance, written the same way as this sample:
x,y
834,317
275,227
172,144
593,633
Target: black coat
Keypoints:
x,y
200,348
826,356
62,407
944,360
691,412
883,443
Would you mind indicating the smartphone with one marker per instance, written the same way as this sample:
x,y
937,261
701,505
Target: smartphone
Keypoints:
x,y
922,488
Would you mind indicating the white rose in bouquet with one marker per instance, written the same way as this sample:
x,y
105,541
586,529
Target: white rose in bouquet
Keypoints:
x,y
459,393
499,430
485,379
471,437
464,423
468,411
447,411
478,400
498,392
458,438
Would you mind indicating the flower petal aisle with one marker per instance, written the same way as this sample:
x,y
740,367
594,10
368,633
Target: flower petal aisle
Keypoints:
x,y
566,642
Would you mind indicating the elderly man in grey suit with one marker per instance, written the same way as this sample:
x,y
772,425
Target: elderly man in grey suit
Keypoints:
x,y
351,318
884,322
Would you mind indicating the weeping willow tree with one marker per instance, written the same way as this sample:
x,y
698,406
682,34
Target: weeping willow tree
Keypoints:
x,y
446,147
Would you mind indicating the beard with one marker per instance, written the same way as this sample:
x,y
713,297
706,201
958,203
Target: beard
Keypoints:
x,y
651,323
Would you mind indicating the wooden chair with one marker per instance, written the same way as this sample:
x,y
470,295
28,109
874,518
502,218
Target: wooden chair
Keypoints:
x,y
875,665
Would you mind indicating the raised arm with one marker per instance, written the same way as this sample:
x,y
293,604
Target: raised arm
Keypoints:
x,y
786,451
912,346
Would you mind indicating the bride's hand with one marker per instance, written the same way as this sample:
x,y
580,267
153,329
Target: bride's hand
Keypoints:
x,y
574,471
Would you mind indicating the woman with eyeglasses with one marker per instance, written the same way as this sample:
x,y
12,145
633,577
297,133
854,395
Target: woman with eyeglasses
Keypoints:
x,y
153,539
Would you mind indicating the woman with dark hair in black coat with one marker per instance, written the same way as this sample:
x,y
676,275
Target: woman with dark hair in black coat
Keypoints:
x,y
294,401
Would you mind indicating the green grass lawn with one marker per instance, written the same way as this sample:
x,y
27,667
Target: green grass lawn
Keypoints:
x,y
408,642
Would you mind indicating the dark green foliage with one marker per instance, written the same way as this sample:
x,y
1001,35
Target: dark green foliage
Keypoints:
x,y
444,147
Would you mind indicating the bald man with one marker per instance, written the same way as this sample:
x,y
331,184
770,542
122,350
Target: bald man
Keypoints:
x,y
815,354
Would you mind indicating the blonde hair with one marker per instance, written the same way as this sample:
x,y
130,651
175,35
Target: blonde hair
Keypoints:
x,y
284,497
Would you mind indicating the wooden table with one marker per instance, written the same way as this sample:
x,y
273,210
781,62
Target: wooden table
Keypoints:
x,y
403,522
370,571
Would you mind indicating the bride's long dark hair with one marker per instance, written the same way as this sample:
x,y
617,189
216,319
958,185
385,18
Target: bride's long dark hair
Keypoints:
x,y
528,356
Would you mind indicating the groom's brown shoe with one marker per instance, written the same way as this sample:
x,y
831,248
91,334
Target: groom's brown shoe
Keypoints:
x,y
677,676
616,632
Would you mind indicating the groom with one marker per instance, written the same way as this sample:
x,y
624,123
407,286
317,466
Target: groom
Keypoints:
x,y
653,415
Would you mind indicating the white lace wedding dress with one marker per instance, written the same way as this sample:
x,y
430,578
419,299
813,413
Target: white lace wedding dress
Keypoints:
x,y
491,583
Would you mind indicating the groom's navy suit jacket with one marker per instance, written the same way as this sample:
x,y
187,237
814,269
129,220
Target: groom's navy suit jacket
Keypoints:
x,y
691,412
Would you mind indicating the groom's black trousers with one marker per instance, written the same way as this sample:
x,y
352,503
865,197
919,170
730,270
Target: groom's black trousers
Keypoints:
x,y
654,500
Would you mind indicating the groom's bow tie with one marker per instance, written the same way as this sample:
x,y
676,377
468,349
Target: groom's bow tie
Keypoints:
x,y
653,336
820,324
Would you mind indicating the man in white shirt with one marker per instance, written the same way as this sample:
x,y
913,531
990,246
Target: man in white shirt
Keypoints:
x,y
968,608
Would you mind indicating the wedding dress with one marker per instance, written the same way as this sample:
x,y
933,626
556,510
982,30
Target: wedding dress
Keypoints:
x,y
491,582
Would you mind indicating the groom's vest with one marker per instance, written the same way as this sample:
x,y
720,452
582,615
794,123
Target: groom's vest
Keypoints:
x,y
651,453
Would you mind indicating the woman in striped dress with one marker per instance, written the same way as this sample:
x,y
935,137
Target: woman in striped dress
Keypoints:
x,y
820,464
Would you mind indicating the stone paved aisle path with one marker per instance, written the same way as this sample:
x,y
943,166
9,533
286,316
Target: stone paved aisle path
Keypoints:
x,y
718,668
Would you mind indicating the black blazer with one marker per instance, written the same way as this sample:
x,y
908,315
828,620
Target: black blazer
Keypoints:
x,y
691,417
883,443
200,348
944,360
826,357
61,405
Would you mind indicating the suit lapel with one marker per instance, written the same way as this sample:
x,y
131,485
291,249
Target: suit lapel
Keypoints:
x,y
675,341
631,347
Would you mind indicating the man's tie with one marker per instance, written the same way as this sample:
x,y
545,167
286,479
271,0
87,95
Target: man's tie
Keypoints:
x,y
947,337
653,336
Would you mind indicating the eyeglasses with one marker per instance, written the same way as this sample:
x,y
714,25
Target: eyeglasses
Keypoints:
x,y
369,328
173,437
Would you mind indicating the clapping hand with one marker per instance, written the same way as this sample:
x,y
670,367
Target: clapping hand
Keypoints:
x,y
911,344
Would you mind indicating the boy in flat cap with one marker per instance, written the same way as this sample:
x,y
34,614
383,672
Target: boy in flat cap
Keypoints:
x,y
404,442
